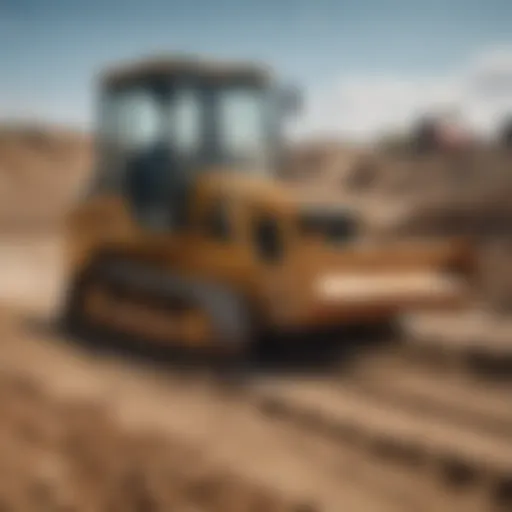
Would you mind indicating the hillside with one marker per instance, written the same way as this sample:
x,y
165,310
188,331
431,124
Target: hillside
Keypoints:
x,y
41,170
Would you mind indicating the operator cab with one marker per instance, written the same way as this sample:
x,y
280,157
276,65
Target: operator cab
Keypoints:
x,y
163,123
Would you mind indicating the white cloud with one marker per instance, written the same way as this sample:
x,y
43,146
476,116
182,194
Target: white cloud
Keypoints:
x,y
365,106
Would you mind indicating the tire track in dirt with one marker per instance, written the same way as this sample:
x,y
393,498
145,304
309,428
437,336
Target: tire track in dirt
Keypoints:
x,y
431,445
295,463
457,399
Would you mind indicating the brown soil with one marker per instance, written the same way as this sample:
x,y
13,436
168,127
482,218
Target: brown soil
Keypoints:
x,y
60,455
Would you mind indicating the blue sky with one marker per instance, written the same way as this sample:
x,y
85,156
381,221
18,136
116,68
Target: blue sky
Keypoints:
x,y
50,49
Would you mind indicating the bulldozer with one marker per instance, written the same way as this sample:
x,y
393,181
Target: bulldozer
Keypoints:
x,y
186,236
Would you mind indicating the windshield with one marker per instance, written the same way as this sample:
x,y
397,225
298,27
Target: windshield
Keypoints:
x,y
199,125
244,132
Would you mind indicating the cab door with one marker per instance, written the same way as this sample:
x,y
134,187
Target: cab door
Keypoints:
x,y
272,252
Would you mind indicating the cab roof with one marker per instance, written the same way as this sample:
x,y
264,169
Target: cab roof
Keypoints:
x,y
168,67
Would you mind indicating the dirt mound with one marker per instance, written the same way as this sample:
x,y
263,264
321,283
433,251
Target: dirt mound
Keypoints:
x,y
73,456
41,170
323,162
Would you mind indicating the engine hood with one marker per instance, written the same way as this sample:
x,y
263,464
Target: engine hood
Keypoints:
x,y
261,187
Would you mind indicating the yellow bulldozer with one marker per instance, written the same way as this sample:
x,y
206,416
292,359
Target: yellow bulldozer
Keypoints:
x,y
186,237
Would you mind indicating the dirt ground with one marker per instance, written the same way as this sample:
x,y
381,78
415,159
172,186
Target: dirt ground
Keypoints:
x,y
71,455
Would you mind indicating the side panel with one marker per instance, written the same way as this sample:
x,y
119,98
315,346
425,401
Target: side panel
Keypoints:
x,y
95,223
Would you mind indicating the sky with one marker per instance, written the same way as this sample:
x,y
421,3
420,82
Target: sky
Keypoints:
x,y
365,66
